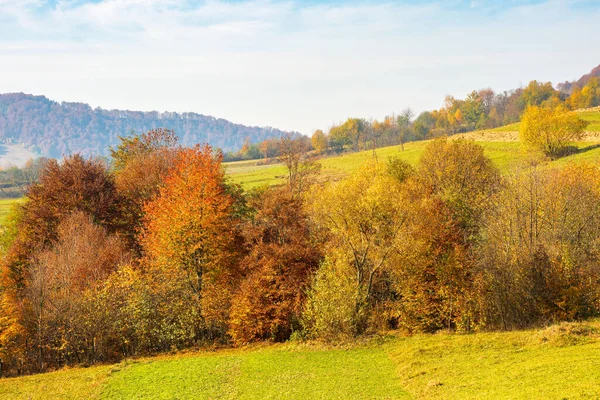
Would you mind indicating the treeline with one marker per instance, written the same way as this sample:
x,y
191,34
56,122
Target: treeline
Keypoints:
x,y
14,181
481,109
160,251
59,129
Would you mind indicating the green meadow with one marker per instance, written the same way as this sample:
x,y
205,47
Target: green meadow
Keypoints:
x,y
558,362
505,154
5,206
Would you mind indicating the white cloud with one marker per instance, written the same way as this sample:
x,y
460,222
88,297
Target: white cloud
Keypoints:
x,y
283,63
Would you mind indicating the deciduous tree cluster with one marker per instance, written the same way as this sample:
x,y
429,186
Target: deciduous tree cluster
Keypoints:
x,y
159,251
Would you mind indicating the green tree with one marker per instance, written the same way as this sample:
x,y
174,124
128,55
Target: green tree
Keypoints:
x,y
537,93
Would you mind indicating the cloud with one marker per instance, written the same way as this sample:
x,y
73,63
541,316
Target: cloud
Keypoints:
x,y
292,64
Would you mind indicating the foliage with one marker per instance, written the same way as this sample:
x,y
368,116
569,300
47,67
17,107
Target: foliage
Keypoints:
x,y
586,97
132,147
550,130
189,239
459,174
74,185
399,169
541,255
319,141
277,270
330,311
365,214
55,129
300,166
140,163
435,274
55,326
162,252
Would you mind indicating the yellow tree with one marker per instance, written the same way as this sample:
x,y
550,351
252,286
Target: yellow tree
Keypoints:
x,y
550,130
319,141
365,215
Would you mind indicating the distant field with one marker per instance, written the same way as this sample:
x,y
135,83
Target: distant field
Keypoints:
x,y
500,145
554,363
5,207
505,156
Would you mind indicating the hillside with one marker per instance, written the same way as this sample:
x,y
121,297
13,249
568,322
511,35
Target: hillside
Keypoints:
x,y
567,87
500,144
54,129
552,363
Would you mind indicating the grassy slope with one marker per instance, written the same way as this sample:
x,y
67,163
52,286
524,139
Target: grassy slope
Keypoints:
x,y
554,363
504,154
5,207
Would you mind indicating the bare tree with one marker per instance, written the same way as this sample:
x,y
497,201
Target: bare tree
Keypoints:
x,y
404,124
294,155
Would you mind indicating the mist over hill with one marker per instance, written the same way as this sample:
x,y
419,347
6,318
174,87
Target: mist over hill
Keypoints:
x,y
568,87
54,129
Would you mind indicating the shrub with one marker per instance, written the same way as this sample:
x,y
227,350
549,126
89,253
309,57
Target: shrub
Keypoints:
x,y
550,130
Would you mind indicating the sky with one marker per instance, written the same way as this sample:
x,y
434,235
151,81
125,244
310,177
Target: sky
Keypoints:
x,y
294,65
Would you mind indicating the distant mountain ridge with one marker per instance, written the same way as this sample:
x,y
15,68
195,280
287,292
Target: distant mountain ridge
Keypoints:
x,y
568,87
55,129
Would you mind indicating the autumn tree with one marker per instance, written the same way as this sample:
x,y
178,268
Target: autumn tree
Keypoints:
x,y
283,254
319,141
83,257
550,130
351,132
474,110
586,97
300,165
140,164
540,256
268,148
536,93
404,122
436,274
75,184
189,236
365,214
49,321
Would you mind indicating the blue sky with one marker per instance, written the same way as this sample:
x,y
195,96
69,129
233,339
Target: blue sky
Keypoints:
x,y
297,65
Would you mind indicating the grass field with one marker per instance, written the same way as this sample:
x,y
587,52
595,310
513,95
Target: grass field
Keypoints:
x,y
5,207
505,155
559,362
499,145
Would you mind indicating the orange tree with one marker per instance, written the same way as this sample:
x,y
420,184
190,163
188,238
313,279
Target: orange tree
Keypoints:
x,y
139,165
282,255
189,237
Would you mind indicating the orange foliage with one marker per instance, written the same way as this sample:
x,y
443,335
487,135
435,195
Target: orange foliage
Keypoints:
x,y
278,269
189,233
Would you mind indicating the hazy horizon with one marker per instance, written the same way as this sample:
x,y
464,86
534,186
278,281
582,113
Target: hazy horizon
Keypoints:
x,y
293,65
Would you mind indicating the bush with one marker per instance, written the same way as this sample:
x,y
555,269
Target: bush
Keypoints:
x,y
331,312
550,130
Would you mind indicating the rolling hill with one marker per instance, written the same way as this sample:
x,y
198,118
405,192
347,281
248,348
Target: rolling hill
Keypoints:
x,y
55,129
500,144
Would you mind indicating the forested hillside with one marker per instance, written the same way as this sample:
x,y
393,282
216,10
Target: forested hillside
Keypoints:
x,y
56,129
569,87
